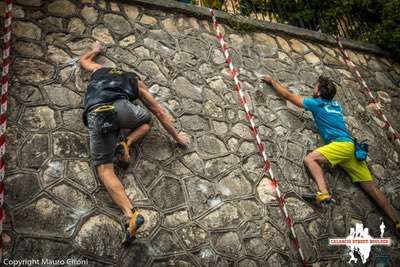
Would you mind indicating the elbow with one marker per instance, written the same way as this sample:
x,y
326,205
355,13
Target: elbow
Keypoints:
x,y
157,111
159,114
288,96
163,116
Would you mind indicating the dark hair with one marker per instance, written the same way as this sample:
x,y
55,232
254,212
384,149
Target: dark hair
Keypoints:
x,y
327,89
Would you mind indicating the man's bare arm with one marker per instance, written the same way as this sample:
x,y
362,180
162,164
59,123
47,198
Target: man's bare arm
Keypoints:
x,y
283,91
161,115
86,59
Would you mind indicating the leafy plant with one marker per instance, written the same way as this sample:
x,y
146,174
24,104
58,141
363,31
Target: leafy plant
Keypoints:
x,y
376,21
366,20
214,4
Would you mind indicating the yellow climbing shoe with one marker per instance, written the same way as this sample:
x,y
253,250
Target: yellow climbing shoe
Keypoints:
x,y
131,227
323,198
319,198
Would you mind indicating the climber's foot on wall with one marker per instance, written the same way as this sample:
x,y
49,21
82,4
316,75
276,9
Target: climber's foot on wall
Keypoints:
x,y
132,225
319,198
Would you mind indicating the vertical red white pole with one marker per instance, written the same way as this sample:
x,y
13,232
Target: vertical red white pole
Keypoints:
x,y
261,149
3,109
395,136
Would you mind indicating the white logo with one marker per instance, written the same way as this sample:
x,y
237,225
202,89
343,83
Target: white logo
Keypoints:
x,y
330,109
359,241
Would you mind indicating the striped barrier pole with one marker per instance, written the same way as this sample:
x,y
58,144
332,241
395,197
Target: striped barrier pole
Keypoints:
x,y
394,135
3,109
267,165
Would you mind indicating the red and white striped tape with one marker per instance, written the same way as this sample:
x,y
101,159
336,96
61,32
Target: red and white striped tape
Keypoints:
x,y
394,135
3,108
260,145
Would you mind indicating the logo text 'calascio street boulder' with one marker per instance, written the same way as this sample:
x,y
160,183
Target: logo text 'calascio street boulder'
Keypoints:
x,y
360,241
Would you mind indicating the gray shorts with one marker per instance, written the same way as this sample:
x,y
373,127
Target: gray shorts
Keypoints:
x,y
130,116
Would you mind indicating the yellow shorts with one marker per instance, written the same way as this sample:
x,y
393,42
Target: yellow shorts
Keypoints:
x,y
342,154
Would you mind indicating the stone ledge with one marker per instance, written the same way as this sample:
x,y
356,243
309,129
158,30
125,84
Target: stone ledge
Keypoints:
x,y
297,32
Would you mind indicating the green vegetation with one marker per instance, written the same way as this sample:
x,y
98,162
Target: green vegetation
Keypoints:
x,y
374,21
214,4
386,33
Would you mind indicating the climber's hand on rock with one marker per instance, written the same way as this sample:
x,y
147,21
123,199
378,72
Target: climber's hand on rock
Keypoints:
x,y
268,79
97,47
183,139
374,107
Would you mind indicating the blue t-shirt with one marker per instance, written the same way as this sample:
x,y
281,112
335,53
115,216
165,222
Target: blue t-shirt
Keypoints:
x,y
329,119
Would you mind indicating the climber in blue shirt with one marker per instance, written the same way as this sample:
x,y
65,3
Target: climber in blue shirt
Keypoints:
x,y
339,146
329,120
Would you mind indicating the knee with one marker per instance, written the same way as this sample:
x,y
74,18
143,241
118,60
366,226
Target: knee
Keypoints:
x,y
305,160
308,159
105,170
146,127
314,158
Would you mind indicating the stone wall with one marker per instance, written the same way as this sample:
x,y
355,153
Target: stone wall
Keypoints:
x,y
209,204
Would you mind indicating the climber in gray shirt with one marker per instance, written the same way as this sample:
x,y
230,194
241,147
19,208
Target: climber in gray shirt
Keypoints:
x,y
108,113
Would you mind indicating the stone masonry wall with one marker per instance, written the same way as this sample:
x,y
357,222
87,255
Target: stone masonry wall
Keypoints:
x,y
209,204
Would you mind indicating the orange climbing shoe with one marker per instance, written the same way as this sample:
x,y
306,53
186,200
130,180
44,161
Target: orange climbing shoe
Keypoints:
x,y
122,154
319,198
131,227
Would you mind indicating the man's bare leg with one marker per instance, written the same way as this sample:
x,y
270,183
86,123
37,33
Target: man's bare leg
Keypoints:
x,y
312,162
122,149
115,188
380,199
138,133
